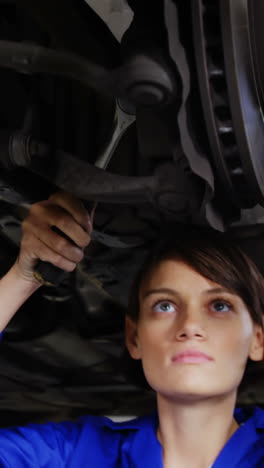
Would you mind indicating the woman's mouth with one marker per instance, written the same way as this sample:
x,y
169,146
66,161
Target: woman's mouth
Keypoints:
x,y
191,357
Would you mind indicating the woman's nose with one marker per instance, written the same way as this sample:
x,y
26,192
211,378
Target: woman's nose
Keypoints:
x,y
191,326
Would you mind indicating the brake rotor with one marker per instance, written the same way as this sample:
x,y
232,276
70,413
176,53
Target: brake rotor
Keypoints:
x,y
256,15
230,99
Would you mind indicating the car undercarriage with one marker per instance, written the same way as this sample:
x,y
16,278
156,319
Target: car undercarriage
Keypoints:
x,y
153,111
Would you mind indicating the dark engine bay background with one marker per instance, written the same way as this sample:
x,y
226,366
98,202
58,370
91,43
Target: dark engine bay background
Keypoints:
x,y
154,111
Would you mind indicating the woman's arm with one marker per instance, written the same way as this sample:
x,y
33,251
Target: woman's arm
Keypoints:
x,y
14,291
40,242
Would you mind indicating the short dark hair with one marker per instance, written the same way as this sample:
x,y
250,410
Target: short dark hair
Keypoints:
x,y
212,254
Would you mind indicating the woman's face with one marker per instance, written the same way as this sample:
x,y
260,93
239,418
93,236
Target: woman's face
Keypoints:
x,y
193,336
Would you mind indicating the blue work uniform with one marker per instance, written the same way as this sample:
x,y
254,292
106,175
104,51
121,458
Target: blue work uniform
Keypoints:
x,y
98,442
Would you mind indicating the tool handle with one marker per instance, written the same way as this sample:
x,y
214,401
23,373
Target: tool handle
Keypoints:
x,y
48,274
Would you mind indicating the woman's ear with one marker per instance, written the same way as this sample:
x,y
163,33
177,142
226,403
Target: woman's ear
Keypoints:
x,y
257,345
132,342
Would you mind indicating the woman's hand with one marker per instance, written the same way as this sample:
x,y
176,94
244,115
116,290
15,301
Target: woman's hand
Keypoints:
x,y
41,242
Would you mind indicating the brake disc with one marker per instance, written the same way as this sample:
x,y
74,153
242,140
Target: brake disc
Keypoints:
x,y
230,98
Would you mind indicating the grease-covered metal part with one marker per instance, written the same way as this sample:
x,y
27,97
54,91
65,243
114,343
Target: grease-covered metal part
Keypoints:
x,y
143,79
170,189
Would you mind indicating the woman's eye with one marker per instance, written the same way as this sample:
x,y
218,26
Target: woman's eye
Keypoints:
x,y
221,306
164,306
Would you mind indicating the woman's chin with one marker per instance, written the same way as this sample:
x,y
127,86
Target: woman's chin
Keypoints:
x,y
191,391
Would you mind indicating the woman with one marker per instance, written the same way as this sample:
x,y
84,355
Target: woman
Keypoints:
x,y
194,322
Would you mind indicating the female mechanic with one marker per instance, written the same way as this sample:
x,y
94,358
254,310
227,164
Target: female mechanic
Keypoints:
x,y
194,322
